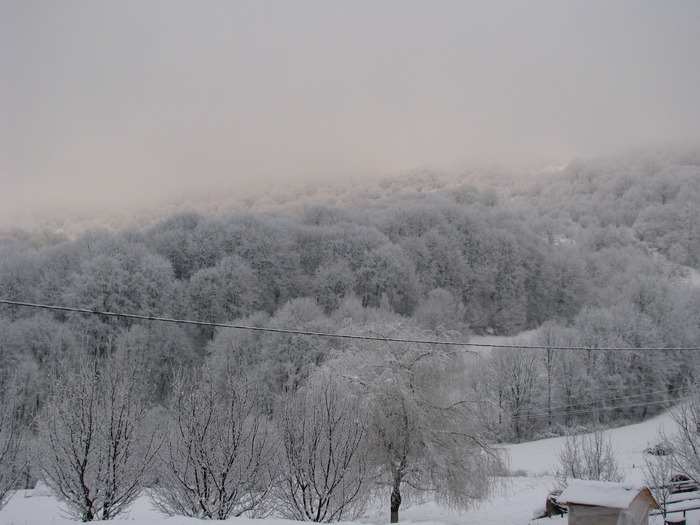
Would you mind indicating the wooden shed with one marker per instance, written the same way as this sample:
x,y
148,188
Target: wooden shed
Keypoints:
x,y
606,503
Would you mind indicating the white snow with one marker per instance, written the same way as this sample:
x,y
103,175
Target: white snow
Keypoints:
x,y
599,493
40,489
541,457
694,277
488,340
515,502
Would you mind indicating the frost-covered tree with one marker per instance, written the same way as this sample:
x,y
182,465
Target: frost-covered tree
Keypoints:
x,y
507,300
423,437
437,257
176,239
216,462
387,271
18,276
287,358
267,246
658,471
572,381
549,335
162,348
589,457
96,446
559,287
325,467
685,441
331,283
514,375
11,441
223,292
131,280
441,310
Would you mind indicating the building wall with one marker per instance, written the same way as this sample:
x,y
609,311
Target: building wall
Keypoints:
x,y
636,514
585,515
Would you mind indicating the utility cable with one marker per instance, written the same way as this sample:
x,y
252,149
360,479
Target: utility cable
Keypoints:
x,y
558,408
536,415
87,311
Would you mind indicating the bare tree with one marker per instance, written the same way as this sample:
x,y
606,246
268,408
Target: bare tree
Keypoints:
x,y
11,442
95,444
515,374
588,457
326,471
551,334
423,438
658,471
685,441
216,463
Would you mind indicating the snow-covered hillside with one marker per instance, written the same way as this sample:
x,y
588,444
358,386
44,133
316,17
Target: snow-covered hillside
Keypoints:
x,y
485,340
694,277
514,502
538,458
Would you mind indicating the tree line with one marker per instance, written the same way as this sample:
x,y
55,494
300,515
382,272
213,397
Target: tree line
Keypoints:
x,y
374,422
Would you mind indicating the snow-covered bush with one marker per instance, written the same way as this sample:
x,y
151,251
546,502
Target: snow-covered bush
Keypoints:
x,y
325,469
216,460
95,444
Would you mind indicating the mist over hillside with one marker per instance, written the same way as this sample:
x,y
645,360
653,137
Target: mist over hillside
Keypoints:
x,y
285,197
639,179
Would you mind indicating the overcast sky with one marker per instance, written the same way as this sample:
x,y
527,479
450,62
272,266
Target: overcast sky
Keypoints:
x,y
113,103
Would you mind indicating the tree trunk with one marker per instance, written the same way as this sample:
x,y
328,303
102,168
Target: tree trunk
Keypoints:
x,y
549,360
395,501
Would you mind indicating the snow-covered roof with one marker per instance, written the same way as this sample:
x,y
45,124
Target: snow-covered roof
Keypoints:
x,y
602,494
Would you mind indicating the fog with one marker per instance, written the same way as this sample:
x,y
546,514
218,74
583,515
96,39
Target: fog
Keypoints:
x,y
112,104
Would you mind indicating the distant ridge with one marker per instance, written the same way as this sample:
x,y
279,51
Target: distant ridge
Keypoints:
x,y
286,198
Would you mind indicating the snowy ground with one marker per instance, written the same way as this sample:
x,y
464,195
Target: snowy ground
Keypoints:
x,y
488,340
694,277
514,503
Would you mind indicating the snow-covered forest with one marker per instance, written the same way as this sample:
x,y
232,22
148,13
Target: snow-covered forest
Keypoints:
x,y
597,262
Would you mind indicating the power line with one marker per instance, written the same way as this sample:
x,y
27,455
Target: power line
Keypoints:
x,y
620,398
610,399
87,311
542,414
